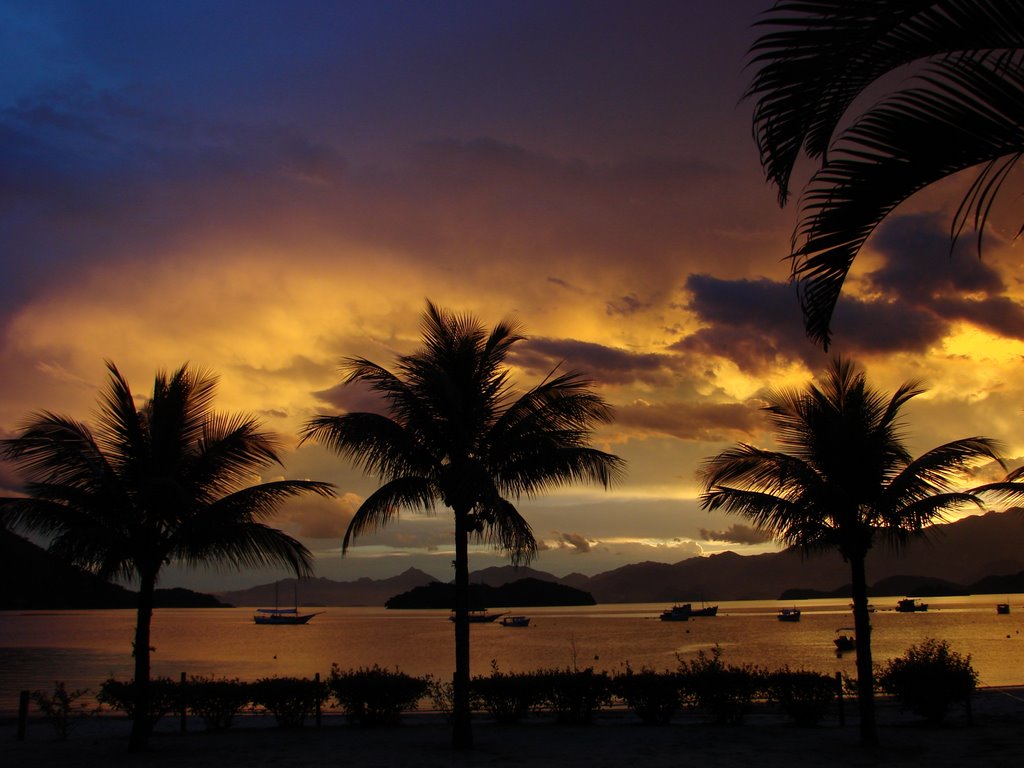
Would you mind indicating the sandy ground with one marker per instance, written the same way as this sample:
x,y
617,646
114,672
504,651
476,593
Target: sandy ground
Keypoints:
x,y
995,737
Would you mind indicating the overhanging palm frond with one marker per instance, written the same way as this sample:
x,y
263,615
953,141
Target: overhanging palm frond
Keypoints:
x,y
968,113
55,449
939,471
241,543
506,530
375,443
1010,488
820,55
230,454
383,505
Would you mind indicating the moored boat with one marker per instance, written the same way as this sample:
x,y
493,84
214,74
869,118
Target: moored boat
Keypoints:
x,y
845,639
282,616
479,617
704,610
515,621
911,605
676,613
789,614
1002,608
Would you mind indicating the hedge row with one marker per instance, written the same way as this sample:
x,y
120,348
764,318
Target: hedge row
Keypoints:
x,y
927,680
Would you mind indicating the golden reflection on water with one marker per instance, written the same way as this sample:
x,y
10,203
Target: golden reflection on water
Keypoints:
x,y
85,647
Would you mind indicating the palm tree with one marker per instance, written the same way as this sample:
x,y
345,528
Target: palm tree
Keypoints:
x,y
457,434
963,109
843,481
171,481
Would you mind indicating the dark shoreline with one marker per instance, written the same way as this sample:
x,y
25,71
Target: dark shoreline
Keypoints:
x,y
989,737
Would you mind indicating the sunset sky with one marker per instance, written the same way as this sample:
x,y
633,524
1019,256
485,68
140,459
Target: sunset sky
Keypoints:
x,y
264,188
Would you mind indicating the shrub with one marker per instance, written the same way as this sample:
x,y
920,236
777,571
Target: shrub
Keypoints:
x,y
164,697
654,697
374,696
288,699
806,697
507,697
575,695
723,692
216,701
442,696
60,708
928,678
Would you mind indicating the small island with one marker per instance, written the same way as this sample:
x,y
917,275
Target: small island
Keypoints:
x,y
522,593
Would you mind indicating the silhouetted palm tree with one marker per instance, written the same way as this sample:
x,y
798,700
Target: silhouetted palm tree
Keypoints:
x,y
964,108
172,481
457,434
843,480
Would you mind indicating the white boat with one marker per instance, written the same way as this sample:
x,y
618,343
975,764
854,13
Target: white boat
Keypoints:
x,y
789,614
515,621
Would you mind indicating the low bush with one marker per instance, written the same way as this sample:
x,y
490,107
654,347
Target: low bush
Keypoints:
x,y
374,696
928,678
215,701
62,709
574,695
805,697
654,697
288,699
507,697
442,696
725,693
164,697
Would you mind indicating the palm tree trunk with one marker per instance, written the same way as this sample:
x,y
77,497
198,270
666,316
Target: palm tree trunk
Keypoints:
x,y
462,733
865,672
139,739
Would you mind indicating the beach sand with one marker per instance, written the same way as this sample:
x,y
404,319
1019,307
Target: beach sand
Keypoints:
x,y
995,737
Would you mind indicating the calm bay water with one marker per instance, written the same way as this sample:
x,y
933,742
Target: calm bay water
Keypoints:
x,y
82,648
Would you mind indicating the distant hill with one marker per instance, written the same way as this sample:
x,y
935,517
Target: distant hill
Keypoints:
x,y
36,580
321,591
920,586
960,553
523,592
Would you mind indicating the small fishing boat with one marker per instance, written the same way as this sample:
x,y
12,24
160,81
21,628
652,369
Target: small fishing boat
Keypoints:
x,y
515,621
1002,608
704,610
845,639
676,613
911,605
789,614
479,617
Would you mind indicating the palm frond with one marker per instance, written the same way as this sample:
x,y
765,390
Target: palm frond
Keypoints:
x,y
384,504
820,55
230,453
968,113
242,543
376,444
939,471
505,529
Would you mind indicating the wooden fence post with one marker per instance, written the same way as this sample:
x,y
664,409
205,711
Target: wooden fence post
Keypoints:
x,y
839,697
182,703
22,714
316,678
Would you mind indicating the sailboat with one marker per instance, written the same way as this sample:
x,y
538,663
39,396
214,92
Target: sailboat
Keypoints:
x,y
278,615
